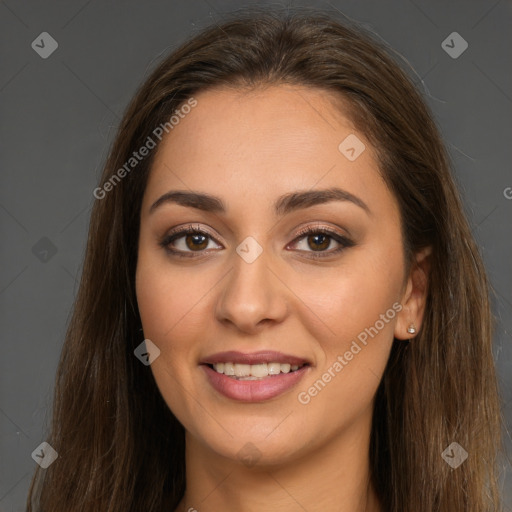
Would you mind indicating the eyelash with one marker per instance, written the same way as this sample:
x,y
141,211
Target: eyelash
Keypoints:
x,y
310,230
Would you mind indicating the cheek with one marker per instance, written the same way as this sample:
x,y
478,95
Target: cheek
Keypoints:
x,y
170,307
175,306
156,306
352,297
359,304
164,295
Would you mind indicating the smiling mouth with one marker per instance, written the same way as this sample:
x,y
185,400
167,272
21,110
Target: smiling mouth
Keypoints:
x,y
260,371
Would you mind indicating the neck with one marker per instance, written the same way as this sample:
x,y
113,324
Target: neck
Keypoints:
x,y
334,476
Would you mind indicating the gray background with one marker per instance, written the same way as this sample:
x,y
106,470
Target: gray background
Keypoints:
x,y
57,120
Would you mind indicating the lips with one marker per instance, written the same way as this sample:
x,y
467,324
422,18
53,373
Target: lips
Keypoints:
x,y
264,356
250,388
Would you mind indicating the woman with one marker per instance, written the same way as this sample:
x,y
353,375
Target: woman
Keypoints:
x,y
282,305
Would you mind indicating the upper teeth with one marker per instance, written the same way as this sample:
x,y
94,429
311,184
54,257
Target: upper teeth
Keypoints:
x,y
254,370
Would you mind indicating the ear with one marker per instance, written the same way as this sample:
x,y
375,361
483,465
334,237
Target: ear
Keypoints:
x,y
415,296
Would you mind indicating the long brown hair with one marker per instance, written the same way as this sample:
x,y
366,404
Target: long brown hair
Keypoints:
x,y
121,448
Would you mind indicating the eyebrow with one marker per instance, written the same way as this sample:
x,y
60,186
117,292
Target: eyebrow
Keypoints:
x,y
285,204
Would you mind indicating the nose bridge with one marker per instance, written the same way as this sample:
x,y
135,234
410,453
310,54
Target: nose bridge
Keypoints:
x,y
252,293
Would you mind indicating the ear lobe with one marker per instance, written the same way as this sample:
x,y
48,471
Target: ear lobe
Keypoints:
x,y
415,296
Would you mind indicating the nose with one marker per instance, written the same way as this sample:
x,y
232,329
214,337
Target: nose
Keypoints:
x,y
252,296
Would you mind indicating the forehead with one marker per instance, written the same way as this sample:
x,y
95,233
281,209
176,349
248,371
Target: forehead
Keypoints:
x,y
262,143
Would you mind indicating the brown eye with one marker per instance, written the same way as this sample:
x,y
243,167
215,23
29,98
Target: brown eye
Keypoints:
x,y
187,241
196,241
314,242
318,242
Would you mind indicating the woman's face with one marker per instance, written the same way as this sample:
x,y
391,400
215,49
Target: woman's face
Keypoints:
x,y
254,283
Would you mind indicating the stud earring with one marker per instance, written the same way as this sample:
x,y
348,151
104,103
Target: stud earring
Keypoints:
x,y
411,329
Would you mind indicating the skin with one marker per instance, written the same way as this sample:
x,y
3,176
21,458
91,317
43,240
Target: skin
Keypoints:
x,y
249,148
